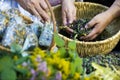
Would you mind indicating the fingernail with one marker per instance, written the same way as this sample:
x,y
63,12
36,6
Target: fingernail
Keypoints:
x,y
42,21
86,26
38,17
82,37
70,30
81,28
48,21
64,23
70,21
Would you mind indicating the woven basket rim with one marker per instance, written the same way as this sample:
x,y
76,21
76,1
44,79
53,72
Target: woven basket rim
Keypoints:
x,y
95,42
88,3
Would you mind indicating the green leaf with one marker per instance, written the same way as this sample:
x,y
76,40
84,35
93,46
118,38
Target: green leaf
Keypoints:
x,y
72,54
59,41
6,63
72,45
23,71
72,68
78,63
21,60
78,60
62,51
15,48
76,66
8,74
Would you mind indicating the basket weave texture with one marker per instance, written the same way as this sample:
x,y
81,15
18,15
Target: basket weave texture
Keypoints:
x,y
88,10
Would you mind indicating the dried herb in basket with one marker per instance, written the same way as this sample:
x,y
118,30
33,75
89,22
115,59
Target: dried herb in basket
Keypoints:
x,y
113,58
79,30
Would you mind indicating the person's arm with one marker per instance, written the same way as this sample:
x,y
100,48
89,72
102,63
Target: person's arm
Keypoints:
x,y
38,8
115,9
102,20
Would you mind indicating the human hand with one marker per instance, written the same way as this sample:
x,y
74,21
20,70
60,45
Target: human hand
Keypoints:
x,y
68,11
99,23
38,8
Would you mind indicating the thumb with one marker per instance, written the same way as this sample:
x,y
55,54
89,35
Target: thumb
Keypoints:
x,y
91,23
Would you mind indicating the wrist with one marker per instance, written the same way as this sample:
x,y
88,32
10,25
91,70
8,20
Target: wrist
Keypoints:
x,y
113,13
114,10
55,2
64,2
110,14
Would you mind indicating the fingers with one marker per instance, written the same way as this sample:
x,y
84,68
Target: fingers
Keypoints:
x,y
69,30
33,11
44,5
38,8
65,22
91,23
64,18
71,16
90,36
39,12
93,34
42,13
74,15
99,24
68,17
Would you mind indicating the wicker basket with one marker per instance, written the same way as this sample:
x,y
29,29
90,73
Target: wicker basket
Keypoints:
x,y
89,10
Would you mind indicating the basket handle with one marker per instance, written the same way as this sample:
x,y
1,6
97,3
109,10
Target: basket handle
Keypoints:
x,y
54,24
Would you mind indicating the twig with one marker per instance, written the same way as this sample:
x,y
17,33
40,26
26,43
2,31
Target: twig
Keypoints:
x,y
5,49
